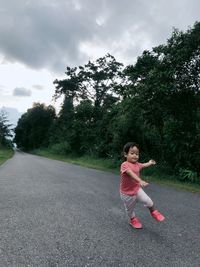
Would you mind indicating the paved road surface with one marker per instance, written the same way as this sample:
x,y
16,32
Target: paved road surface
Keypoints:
x,y
58,214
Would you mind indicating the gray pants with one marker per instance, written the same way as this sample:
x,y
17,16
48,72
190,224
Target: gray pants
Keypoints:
x,y
130,201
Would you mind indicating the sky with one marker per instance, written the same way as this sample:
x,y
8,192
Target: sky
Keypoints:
x,y
40,38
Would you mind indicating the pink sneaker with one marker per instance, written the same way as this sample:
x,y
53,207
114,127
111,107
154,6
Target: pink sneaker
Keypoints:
x,y
157,215
135,223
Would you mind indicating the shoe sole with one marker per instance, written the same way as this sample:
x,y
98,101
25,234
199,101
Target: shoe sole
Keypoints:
x,y
159,220
135,227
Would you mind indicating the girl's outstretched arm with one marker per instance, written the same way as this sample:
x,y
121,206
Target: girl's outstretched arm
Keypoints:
x,y
149,163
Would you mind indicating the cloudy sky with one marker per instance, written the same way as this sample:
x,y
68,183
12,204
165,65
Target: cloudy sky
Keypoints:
x,y
39,38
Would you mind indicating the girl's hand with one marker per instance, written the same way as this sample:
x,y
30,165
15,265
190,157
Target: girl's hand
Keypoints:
x,y
152,162
143,183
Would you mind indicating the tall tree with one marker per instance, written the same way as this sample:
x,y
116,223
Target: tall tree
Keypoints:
x,y
5,130
165,82
33,127
94,81
89,88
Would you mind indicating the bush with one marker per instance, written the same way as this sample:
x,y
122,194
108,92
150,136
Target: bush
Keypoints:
x,y
62,148
187,175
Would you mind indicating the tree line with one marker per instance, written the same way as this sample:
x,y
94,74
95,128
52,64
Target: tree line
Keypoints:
x,y
154,102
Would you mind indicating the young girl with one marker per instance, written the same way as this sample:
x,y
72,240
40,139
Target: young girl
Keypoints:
x,y
131,185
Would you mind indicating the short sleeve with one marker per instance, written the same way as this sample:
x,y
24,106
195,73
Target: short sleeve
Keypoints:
x,y
140,165
124,167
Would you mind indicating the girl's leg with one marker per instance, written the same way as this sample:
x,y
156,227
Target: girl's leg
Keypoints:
x,y
129,204
145,199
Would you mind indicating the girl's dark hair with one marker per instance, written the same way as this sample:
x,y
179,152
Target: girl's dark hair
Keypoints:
x,y
128,146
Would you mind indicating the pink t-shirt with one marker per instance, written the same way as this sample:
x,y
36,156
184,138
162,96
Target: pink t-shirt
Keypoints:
x,y
128,185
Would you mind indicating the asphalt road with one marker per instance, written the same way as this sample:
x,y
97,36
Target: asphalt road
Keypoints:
x,y
58,214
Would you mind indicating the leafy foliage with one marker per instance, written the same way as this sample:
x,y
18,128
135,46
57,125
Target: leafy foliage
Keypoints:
x,y
33,127
5,130
154,102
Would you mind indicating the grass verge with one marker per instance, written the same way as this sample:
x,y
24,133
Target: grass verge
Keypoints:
x,y
113,166
5,153
85,161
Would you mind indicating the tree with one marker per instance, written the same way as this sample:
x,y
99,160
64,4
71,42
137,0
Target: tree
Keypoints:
x,y
5,130
92,89
164,86
93,81
33,127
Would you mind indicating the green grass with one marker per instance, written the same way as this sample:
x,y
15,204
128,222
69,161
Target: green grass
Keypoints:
x,y
167,181
86,161
112,166
5,153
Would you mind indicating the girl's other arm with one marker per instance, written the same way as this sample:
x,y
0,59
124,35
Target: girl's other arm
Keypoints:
x,y
135,177
149,163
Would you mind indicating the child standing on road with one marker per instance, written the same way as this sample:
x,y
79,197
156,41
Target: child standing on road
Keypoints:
x,y
131,185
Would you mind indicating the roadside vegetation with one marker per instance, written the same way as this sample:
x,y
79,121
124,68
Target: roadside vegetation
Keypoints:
x,y
154,102
6,148
5,154
156,175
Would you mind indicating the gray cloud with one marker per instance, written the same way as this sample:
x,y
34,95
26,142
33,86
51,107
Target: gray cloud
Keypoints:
x,y
20,91
38,87
50,34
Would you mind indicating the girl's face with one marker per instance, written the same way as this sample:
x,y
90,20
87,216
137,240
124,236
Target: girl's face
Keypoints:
x,y
133,155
